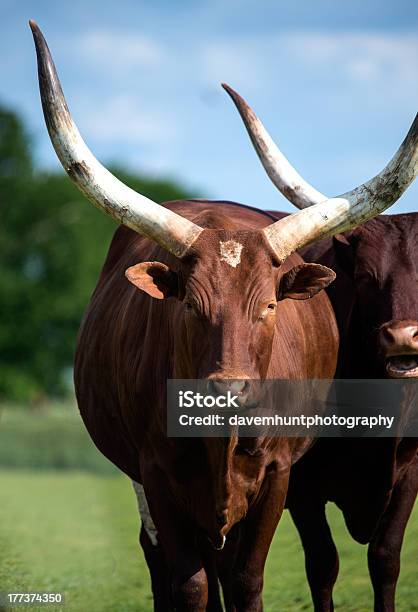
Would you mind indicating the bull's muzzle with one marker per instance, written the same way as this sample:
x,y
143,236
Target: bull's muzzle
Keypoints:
x,y
398,344
245,390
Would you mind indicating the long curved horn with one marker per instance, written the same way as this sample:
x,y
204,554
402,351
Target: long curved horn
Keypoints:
x,y
322,217
171,231
282,174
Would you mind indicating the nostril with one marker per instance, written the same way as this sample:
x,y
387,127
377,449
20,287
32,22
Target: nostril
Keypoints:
x,y
211,387
239,386
386,335
220,386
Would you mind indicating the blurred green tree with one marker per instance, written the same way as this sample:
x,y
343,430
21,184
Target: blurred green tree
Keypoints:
x,y
53,244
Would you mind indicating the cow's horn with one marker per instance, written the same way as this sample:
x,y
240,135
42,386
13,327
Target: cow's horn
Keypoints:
x,y
171,231
324,217
280,171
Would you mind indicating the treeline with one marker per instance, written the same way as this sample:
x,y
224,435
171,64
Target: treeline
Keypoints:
x,y
52,246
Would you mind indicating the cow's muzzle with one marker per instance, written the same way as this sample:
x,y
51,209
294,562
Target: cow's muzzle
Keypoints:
x,y
241,387
398,345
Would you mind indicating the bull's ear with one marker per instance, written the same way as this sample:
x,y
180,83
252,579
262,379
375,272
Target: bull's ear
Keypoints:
x,y
304,281
154,278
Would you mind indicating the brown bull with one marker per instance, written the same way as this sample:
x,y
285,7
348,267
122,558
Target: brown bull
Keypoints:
x,y
373,481
375,299
223,321
229,295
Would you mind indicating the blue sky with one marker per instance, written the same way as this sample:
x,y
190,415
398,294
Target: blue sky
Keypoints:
x,y
336,85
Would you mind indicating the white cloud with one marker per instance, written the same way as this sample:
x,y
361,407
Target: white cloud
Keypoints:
x,y
361,55
369,58
123,118
123,50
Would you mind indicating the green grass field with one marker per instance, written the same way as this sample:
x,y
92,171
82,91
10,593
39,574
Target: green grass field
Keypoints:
x,y
76,531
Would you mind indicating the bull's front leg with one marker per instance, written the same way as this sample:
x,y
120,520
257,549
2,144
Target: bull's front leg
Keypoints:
x,y
153,553
385,546
160,583
257,531
321,556
177,541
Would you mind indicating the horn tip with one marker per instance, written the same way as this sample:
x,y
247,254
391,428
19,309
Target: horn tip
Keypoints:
x,y
229,90
238,100
33,25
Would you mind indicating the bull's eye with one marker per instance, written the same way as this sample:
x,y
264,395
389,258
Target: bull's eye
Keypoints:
x,y
269,309
192,309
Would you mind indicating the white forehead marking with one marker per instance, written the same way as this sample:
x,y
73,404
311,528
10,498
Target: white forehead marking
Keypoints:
x,y
231,252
